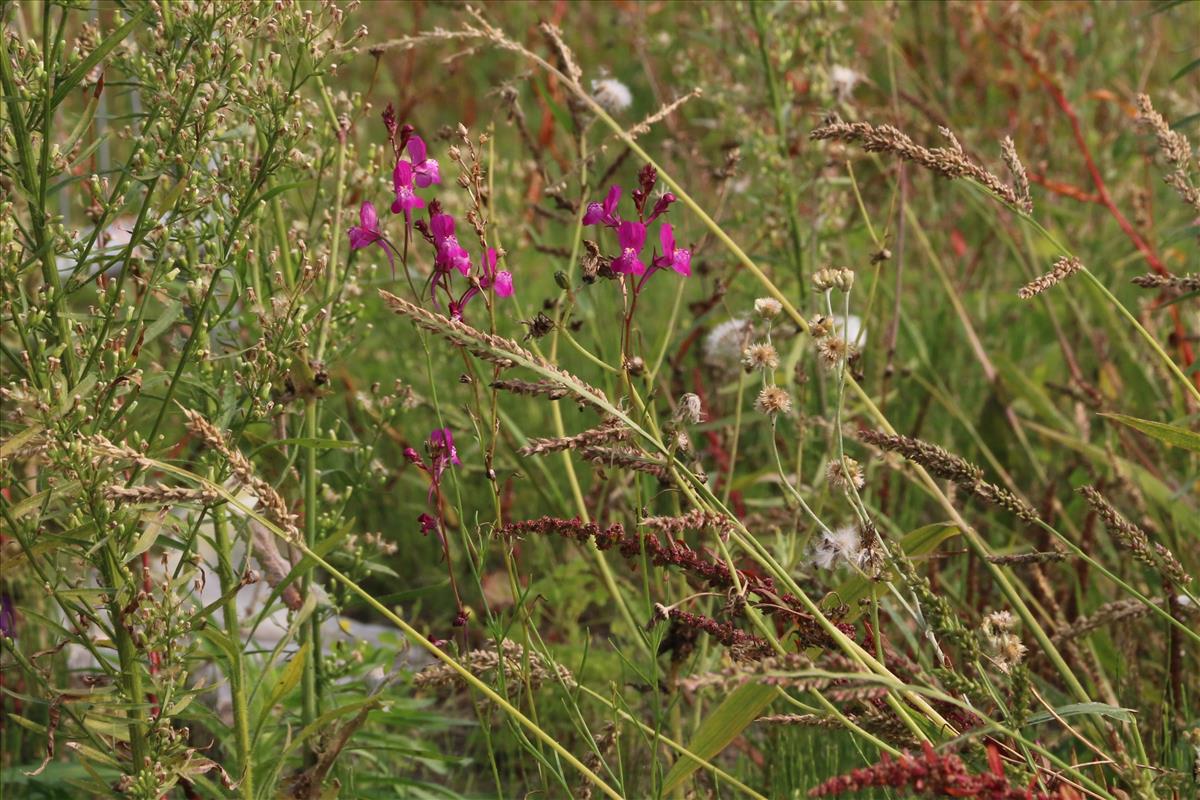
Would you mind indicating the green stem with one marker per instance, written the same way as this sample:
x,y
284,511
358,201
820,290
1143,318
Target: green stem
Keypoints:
x,y
237,675
131,669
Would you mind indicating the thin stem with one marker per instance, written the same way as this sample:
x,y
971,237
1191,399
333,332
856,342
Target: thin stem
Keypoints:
x,y
237,675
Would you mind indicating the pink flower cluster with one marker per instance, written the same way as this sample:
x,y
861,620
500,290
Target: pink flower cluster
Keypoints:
x,y
419,171
631,234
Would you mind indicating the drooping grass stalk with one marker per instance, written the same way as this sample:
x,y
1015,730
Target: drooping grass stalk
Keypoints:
x,y
1123,585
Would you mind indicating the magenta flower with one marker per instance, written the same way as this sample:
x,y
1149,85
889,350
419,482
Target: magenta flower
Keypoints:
x,y
367,233
632,238
631,234
500,282
425,170
450,254
442,451
402,183
674,257
429,524
605,213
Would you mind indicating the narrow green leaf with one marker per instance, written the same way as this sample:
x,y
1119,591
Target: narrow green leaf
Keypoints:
x,y
322,722
301,441
274,191
164,321
557,111
154,524
290,678
720,728
35,501
15,442
1185,69
222,642
1076,709
1167,434
64,85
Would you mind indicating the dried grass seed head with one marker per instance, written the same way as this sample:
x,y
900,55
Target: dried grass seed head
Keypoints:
x,y
1064,267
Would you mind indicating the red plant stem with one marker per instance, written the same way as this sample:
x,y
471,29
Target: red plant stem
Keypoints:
x,y
1102,195
1064,189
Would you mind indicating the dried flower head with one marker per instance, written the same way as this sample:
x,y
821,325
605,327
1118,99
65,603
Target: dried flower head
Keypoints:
x,y
724,343
772,400
760,355
1006,648
845,474
842,81
768,307
998,621
833,278
820,326
835,350
690,410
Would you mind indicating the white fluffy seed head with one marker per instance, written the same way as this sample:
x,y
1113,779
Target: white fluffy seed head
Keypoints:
x,y
611,94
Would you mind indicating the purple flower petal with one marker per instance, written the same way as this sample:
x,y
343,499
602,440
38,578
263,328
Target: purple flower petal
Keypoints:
x,y
402,175
605,212
441,226
610,202
360,238
632,235
416,149
661,206
632,238
367,217
666,237
504,283
681,261
427,172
